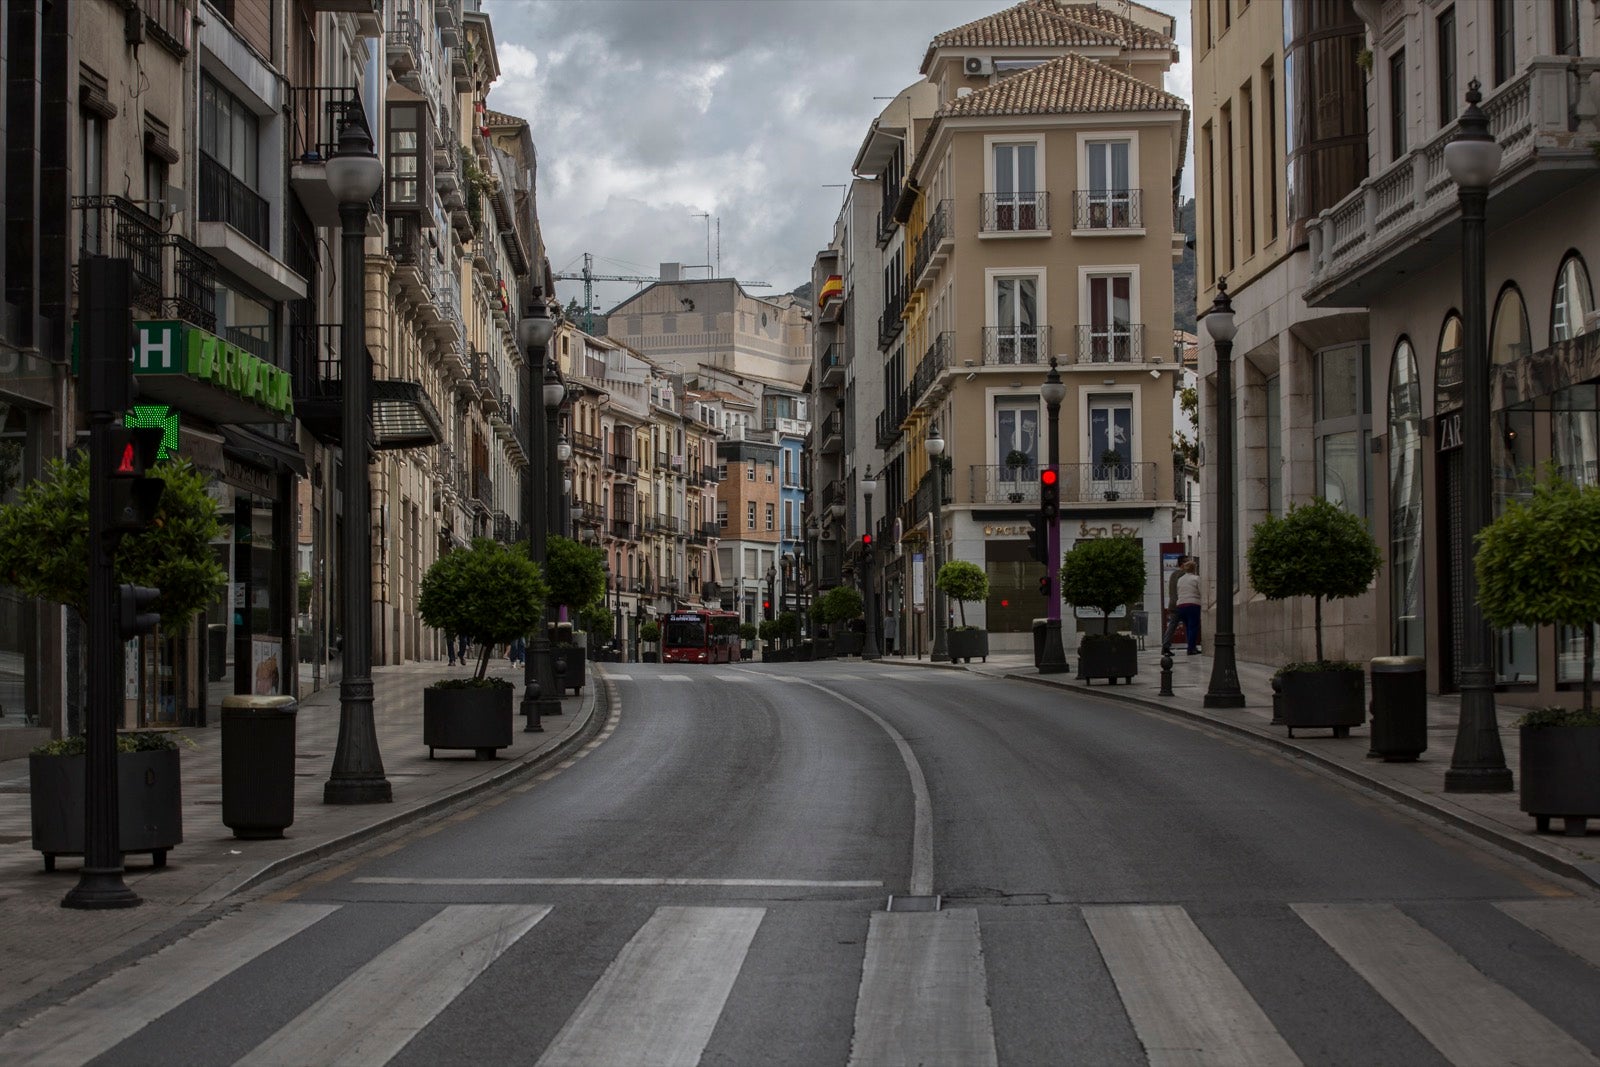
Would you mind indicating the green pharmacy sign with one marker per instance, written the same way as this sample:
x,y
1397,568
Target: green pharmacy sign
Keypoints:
x,y
159,416
176,348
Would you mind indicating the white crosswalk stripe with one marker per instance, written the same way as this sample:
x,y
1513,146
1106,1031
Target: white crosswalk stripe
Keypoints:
x,y
121,1005
1185,1003
660,999
372,1014
1465,1015
924,997
1572,924
674,678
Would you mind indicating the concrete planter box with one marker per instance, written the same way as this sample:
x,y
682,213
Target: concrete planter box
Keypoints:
x,y
1560,775
479,719
1108,656
149,804
849,643
1324,700
576,675
965,645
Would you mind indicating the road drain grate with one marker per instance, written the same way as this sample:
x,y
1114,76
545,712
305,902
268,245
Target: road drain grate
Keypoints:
x,y
914,903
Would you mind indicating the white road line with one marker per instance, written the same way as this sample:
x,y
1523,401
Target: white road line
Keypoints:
x,y
375,1012
921,806
1572,924
673,678
1465,1015
924,994
1185,1003
784,883
123,1004
659,1001
618,677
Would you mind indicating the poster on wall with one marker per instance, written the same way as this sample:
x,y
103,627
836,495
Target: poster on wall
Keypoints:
x,y
917,578
266,658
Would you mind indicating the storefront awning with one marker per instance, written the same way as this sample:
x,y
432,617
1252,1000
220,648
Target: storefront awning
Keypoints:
x,y
262,451
403,416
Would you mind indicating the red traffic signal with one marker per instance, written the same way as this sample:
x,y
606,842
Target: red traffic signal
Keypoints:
x,y
1049,492
866,540
1044,586
1047,477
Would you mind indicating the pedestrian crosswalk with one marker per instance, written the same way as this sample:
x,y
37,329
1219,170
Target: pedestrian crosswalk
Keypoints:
x,y
926,987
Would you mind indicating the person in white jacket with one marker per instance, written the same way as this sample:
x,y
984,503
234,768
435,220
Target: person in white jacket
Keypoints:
x,y
1186,608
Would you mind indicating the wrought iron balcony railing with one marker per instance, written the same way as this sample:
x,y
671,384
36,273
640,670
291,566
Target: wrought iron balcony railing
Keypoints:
x,y
935,361
1121,342
938,229
118,227
1107,209
1013,212
1005,484
225,197
1008,345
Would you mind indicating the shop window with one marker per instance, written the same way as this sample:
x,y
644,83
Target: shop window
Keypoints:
x,y
1016,430
1405,504
1447,366
1572,303
1575,448
1343,427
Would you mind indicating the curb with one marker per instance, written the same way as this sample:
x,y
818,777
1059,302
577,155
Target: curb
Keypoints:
x,y
1583,872
585,725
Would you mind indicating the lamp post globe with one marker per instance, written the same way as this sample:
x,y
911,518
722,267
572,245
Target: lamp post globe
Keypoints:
x,y
1478,762
1223,689
934,443
355,175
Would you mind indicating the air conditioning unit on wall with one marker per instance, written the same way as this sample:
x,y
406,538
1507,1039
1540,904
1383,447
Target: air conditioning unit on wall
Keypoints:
x,y
978,66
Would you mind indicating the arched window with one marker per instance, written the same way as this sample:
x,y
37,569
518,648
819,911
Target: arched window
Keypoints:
x,y
1509,339
1405,503
1511,464
1572,301
1447,366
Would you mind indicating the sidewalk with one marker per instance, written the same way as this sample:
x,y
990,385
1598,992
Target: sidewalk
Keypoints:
x,y
1495,817
45,945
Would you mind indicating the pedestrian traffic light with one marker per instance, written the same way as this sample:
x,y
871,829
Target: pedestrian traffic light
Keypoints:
x,y
131,493
1039,538
1044,586
1049,492
135,614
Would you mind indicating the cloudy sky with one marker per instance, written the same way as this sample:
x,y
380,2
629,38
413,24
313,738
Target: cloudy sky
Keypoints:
x,y
650,113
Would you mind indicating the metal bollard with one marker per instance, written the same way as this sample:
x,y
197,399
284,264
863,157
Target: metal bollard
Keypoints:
x,y
1166,673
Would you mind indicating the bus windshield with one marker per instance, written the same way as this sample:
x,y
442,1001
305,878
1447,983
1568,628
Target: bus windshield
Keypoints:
x,y
691,634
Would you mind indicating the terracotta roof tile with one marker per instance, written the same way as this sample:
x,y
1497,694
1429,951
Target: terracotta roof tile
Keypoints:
x,y
1031,22
1129,32
1064,85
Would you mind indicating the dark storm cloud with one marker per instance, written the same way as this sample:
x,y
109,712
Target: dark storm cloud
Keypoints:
x,y
649,112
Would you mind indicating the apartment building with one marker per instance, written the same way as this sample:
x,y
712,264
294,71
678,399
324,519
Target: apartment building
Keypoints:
x,y
1349,327
1035,221
1280,120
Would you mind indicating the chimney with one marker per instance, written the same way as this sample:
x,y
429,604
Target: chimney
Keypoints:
x,y
671,272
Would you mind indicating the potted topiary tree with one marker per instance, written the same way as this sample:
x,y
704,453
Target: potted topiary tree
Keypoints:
x,y
650,633
1016,460
838,609
965,582
596,622
493,594
770,652
1537,565
1324,552
789,632
748,632
576,577
1105,573
44,538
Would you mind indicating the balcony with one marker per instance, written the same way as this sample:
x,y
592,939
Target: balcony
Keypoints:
x,y
886,224
224,197
833,432
833,497
888,428
403,415
481,496
487,376
1402,220
831,366
622,530
588,513
623,465
587,443
1006,346
890,323
410,266
403,45
663,462
319,112
1121,342
117,227
368,13
1108,483
1004,484
505,531
1015,213
935,361
194,284
933,247
710,475
710,531
1107,211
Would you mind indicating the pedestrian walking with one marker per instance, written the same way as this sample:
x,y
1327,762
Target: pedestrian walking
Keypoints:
x,y
1186,594
517,652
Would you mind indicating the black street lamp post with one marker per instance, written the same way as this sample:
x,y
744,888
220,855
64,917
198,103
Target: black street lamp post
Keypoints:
x,y
354,176
1053,659
1478,763
1223,690
772,581
555,394
935,446
869,649
538,678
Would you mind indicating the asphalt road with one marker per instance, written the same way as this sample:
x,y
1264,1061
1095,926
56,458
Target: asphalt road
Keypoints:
x,y
710,882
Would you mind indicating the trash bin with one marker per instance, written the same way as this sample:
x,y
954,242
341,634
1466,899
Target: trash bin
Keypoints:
x,y
1040,626
258,764
1399,708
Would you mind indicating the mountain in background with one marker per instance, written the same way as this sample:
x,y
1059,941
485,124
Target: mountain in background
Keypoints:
x,y
1183,285
802,292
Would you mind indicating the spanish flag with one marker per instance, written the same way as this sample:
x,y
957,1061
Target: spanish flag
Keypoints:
x,y
832,289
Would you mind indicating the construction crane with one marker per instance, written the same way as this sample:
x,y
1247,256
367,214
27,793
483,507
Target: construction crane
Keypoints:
x,y
588,277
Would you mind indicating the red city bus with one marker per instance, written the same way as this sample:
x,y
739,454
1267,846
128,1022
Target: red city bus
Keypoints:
x,y
700,637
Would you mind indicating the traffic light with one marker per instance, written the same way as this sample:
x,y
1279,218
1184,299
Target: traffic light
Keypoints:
x,y
866,544
135,614
132,494
1049,492
1039,538
1044,586
766,609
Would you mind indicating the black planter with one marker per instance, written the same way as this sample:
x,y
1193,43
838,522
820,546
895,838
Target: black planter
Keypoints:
x,y
576,675
824,649
1108,656
479,719
149,804
849,643
965,644
1324,700
1561,775
650,657
805,651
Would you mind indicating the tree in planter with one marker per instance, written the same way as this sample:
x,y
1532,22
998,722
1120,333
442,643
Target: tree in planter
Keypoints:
x,y
596,621
1317,550
1538,564
44,542
768,631
574,574
962,581
1103,573
749,631
650,632
839,605
490,592
788,626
